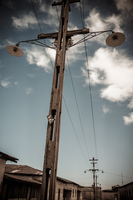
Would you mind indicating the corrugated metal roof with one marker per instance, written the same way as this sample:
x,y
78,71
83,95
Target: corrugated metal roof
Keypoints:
x,y
7,157
21,178
25,173
66,181
22,169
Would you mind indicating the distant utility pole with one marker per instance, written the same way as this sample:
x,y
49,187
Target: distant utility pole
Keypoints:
x,y
62,38
94,171
122,178
96,193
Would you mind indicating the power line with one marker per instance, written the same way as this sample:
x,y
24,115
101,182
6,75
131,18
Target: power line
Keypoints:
x,y
77,106
89,36
41,31
74,130
90,92
63,98
57,14
116,174
36,15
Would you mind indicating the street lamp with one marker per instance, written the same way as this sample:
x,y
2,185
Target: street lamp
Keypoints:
x,y
113,40
14,50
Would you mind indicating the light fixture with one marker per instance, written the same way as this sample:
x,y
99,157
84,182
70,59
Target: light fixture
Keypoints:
x,y
115,39
14,50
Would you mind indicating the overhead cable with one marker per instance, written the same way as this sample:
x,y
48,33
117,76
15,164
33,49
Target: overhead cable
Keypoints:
x,y
90,92
77,106
41,31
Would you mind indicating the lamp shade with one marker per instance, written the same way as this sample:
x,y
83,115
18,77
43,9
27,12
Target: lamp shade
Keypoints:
x,y
115,39
14,50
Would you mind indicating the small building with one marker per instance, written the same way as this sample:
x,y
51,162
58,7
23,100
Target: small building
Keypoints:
x,y
3,158
126,192
67,190
115,189
24,182
88,193
21,182
118,192
108,194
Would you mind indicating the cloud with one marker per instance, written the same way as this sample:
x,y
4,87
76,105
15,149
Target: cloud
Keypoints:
x,y
52,17
75,53
2,46
130,105
39,57
28,90
96,22
6,83
16,83
105,109
6,43
31,75
26,21
29,20
114,70
125,6
128,119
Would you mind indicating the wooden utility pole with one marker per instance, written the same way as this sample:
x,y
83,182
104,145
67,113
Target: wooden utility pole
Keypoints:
x,y
96,193
54,117
122,178
94,171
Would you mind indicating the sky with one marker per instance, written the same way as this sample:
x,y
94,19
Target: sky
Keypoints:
x,y
97,113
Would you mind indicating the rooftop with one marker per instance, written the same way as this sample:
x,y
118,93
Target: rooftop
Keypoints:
x,y
27,174
7,157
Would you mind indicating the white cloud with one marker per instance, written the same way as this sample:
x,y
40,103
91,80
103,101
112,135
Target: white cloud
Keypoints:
x,y
43,7
128,119
114,21
130,105
40,58
96,22
105,109
2,46
6,83
114,70
52,18
29,20
6,43
26,21
51,14
75,53
28,90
